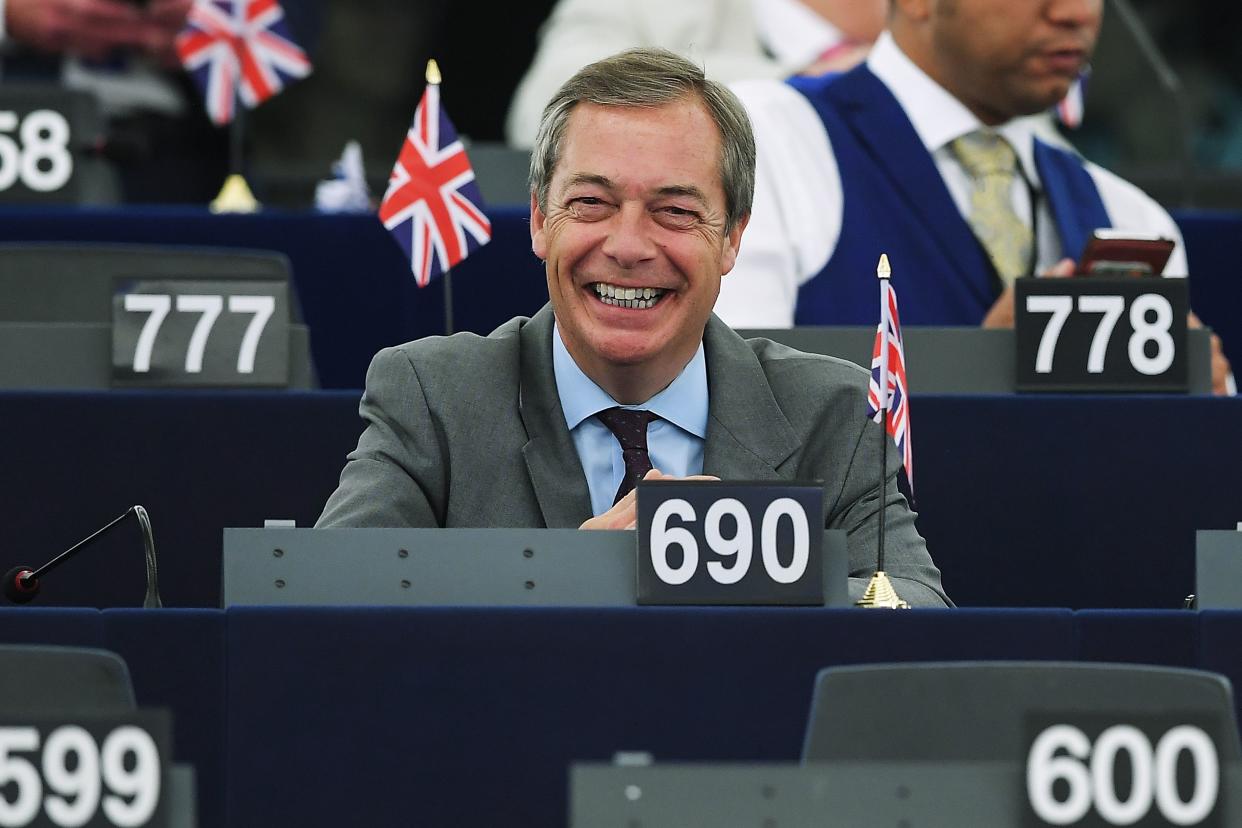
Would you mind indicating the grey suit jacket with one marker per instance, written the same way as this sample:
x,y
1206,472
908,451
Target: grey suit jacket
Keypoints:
x,y
468,431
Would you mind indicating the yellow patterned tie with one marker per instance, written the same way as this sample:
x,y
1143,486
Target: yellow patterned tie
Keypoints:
x,y
992,164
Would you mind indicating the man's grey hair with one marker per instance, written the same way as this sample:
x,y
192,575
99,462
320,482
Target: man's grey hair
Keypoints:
x,y
649,78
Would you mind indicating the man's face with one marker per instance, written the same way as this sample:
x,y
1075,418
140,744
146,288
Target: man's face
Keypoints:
x,y
634,236
1005,58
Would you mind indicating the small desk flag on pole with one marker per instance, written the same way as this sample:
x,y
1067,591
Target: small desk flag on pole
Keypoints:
x,y
433,207
888,374
239,49
887,405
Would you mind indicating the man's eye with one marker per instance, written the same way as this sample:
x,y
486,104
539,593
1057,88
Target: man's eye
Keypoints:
x,y
588,206
677,216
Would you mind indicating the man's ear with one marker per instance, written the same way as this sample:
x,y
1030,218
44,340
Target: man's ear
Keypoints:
x,y
732,243
538,241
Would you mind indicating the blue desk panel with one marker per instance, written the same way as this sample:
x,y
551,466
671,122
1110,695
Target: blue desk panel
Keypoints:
x,y
1025,501
469,717
358,295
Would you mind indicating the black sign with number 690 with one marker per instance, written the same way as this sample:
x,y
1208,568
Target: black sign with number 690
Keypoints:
x,y
711,542
1101,334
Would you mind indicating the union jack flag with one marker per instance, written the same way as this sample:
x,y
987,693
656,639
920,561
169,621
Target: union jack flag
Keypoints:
x,y
888,359
239,49
433,207
1072,107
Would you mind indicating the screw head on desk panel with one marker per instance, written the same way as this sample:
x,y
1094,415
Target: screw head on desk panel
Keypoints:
x,y
280,583
277,553
405,584
528,553
530,584
403,553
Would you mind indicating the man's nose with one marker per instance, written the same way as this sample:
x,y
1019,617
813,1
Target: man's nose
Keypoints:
x,y
629,239
1075,12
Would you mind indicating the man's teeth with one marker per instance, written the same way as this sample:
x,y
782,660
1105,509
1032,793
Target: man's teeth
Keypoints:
x,y
640,298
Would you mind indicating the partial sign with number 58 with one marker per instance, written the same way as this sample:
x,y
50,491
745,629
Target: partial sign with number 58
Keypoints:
x,y
90,772
1101,334
201,332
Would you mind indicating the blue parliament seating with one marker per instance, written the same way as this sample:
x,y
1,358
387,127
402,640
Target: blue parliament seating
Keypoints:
x,y
470,717
358,296
462,717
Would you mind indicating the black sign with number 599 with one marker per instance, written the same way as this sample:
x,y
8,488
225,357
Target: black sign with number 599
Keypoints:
x,y
1101,334
710,542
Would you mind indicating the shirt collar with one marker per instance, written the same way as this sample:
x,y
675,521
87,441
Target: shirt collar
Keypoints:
x,y
935,114
794,34
683,402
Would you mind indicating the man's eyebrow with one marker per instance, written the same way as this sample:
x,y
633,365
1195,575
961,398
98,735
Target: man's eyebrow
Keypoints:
x,y
687,190
578,179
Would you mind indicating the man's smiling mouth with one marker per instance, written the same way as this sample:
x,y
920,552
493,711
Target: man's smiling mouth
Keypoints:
x,y
639,298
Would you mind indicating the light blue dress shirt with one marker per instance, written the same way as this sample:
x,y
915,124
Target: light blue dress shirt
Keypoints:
x,y
675,441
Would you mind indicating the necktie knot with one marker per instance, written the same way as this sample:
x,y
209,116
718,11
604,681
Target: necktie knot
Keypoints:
x,y
983,153
629,426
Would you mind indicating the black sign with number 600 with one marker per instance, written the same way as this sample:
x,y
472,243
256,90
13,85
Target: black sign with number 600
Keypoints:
x,y
1101,334
711,542
1094,771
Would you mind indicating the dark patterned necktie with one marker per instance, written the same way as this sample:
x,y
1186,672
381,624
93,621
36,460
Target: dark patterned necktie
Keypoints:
x,y
629,426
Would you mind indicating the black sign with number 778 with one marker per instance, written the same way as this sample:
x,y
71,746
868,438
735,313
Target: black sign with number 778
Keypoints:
x,y
1101,334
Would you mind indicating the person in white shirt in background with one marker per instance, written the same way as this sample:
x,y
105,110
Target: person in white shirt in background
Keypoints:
x,y
730,39
954,67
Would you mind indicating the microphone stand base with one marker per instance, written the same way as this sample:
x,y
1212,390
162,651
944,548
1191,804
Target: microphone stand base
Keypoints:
x,y
881,595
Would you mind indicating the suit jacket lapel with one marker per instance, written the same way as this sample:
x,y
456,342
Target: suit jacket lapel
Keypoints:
x,y
551,459
748,436
887,136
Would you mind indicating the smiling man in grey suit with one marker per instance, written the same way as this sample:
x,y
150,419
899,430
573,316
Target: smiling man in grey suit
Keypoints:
x,y
641,183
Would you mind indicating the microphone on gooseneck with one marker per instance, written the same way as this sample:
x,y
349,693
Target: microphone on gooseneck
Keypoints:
x,y
22,583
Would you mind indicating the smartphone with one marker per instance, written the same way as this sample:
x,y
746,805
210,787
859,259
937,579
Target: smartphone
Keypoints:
x,y
1124,253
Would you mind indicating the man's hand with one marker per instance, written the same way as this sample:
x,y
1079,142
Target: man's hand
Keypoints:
x,y
94,28
1222,374
1001,313
624,515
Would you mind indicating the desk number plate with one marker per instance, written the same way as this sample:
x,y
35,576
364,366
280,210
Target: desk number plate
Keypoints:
x,y
705,542
1100,771
93,771
1101,334
212,333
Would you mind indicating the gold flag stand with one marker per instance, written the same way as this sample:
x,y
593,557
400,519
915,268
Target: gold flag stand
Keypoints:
x,y
235,197
881,595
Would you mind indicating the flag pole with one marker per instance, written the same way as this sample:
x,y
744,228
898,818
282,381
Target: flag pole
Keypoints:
x,y
433,79
880,593
235,195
